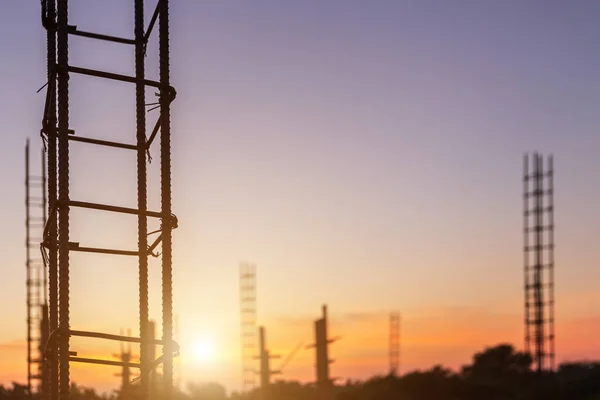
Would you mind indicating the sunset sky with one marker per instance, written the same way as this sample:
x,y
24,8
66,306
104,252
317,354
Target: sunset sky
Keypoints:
x,y
363,154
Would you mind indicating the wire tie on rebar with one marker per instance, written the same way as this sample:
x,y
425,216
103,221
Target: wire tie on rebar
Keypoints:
x,y
153,108
44,139
40,89
153,232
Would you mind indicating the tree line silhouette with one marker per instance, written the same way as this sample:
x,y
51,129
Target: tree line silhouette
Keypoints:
x,y
496,373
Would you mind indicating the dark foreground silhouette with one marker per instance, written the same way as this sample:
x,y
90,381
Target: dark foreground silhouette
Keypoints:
x,y
497,373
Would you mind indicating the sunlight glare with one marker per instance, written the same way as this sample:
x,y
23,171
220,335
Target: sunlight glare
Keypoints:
x,y
203,350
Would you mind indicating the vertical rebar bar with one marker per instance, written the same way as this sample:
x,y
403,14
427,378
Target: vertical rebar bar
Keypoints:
x,y
538,276
552,350
165,155
28,266
140,100
52,195
44,219
526,267
394,343
63,193
44,330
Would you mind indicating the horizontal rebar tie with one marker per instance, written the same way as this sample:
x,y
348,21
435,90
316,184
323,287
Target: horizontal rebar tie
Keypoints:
x,y
107,336
541,228
117,77
103,142
541,210
118,209
104,362
74,246
535,176
72,30
539,247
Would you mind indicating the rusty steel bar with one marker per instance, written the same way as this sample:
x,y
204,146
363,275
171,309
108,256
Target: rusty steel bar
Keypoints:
x,y
153,134
108,336
63,193
104,362
103,142
74,31
140,111
117,209
50,231
28,268
75,247
550,261
113,76
152,21
165,158
526,265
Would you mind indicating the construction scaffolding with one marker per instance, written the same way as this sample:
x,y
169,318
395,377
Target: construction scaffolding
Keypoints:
x,y
36,276
248,324
538,233
394,352
57,243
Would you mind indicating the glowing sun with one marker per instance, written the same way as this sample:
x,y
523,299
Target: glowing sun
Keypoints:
x,y
203,350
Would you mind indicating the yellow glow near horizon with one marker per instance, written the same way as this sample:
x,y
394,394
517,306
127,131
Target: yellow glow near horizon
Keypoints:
x,y
203,350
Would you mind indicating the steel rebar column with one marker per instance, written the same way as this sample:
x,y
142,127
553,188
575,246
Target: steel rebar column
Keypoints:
x,y
28,267
165,155
538,267
140,100
52,186
63,193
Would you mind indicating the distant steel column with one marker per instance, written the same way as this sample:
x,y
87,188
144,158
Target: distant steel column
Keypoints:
x,y
36,295
248,324
324,381
265,358
394,343
539,257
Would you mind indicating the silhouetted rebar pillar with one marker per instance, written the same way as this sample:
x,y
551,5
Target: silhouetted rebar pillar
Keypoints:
x,y
49,128
394,351
322,342
35,281
140,109
28,269
264,358
538,258
265,365
56,236
44,322
166,97
63,194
